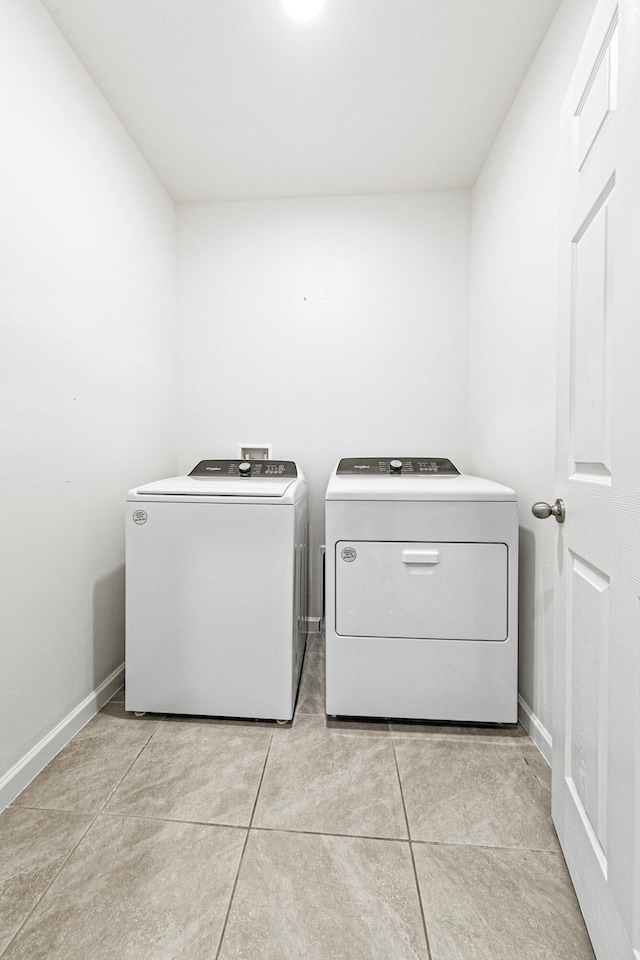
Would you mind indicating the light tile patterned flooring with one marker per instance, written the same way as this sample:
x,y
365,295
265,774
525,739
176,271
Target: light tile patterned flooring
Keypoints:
x,y
170,837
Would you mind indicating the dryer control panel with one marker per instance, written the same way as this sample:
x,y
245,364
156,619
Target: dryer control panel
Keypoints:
x,y
394,466
251,469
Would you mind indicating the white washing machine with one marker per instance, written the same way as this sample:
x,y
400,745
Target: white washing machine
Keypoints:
x,y
216,590
421,604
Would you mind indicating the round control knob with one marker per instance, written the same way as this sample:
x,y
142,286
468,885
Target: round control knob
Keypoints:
x,y
396,465
245,469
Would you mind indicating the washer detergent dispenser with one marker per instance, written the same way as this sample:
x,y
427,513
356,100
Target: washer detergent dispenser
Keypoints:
x,y
421,592
216,582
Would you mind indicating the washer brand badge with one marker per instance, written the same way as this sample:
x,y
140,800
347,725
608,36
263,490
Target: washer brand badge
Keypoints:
x,y
348,554
139,516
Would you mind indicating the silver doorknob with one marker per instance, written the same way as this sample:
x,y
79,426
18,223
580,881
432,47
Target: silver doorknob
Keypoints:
x,y
543,510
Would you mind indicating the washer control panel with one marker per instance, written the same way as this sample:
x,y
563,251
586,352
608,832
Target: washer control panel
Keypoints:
x,y
250,469
396,466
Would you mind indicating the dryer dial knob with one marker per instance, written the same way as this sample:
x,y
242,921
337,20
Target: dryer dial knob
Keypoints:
x,y
245,469
396,465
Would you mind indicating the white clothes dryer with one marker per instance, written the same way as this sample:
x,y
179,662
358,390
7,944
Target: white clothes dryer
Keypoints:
x,y
421,603
216,591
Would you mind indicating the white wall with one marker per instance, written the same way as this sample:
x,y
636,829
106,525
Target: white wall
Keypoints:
x,y
329,327
87,263
512,368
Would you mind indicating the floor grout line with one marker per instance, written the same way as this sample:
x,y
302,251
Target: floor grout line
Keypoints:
x,y
119,815
413,859
487,846
128,770
242,852
264,767
329,833
122,815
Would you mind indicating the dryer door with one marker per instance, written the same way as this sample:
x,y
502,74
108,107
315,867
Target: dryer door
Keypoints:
x,y
445,591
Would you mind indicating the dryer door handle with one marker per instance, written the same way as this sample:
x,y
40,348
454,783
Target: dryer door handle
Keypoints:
x,y
421,556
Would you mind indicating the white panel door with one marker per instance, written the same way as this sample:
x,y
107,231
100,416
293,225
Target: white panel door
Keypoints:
x,y
596,743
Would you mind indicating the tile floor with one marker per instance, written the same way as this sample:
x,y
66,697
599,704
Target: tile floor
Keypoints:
x,y
170,837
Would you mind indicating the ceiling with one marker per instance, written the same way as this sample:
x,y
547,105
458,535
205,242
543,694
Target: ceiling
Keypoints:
x,y
232,99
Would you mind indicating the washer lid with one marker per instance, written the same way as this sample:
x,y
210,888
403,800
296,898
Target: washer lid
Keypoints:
x,y
411,478
277,480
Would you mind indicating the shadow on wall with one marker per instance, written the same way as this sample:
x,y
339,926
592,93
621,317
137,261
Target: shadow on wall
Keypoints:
x,y
536,592
526,611
108,625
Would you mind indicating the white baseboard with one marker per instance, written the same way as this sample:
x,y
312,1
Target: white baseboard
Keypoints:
x,y
24,771
536,730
